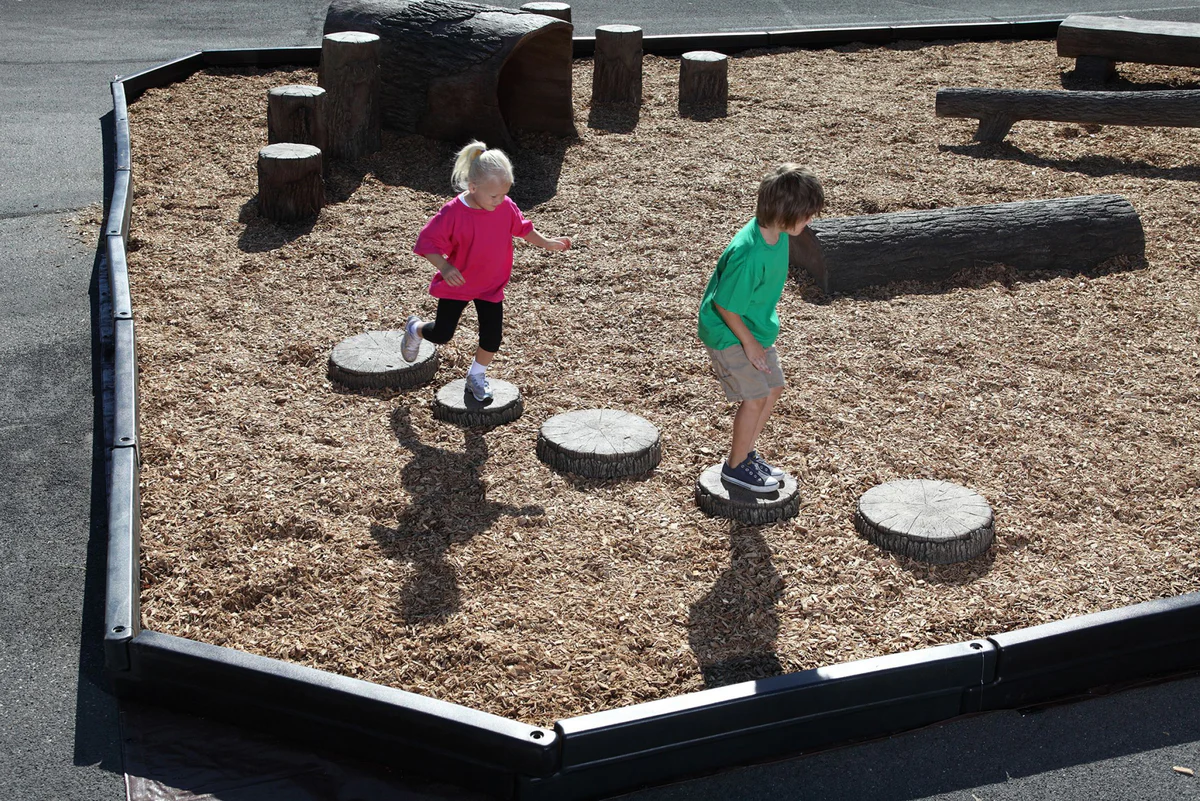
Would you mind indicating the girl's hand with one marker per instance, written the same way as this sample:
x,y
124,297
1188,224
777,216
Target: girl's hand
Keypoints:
x,y
452,276
559,243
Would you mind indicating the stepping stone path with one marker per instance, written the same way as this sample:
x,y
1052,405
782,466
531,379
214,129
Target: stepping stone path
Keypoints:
x,y
455,404
599,443
718,498
931,521
373,361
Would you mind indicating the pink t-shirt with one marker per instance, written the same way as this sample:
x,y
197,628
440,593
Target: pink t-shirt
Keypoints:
x,y
479,243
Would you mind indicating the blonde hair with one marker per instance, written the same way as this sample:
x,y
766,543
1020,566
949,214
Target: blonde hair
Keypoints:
x,y
788,194
475,163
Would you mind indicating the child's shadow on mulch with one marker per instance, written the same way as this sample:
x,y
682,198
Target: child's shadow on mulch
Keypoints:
x,y
448,507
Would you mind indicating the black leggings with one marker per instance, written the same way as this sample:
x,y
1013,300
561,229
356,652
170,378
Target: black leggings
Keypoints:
x,y
491,322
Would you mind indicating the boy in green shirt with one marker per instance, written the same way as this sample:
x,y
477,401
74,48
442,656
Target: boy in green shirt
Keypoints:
x,y
738,323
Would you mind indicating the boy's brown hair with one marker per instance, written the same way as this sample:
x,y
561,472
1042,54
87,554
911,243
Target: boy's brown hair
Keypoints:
x,y
788,194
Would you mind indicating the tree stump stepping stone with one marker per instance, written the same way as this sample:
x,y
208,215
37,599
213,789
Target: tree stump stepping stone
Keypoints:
x,y
455,404
373,361
931,521
599,443
718,498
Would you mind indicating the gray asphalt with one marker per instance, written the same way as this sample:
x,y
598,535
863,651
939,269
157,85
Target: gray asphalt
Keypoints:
x,y
60,737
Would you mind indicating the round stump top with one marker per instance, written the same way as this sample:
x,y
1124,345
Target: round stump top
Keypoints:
x,y
599,443
620,30
374,360
932,521
352,37
296,90
704,55
289,150
455,404
718,498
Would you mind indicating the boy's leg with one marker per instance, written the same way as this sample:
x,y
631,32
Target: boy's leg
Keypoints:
x,y
768,405
747,423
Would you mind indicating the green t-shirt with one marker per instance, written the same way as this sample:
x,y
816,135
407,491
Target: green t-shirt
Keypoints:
x,y
748,281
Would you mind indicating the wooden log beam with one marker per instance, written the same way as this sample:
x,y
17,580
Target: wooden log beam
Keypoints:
x,y
617,69
349,74
998,109
290,186
1096,43
1066,234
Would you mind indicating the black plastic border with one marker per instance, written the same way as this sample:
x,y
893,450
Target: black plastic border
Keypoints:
x,y
616,750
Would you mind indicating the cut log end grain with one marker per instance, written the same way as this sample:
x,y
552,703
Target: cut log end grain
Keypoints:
x,y
455,404
718,498
373,361
599,443
931,521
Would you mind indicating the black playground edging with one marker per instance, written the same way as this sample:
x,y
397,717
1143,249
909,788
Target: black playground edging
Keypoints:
x,y
617,750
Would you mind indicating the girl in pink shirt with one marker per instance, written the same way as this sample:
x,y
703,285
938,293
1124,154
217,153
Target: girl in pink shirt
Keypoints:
x,y
470,242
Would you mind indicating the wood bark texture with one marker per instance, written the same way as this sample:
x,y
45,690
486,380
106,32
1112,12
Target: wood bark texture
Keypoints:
x,y
455,404
456,71
1136,40
349,74
931,521
290,186
998,109
703,81
560,11
296,113
599,443
373,360
1065,234
716,498
617,68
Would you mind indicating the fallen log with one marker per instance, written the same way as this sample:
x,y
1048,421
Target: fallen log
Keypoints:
x,y
1097,43
998,109
1066,234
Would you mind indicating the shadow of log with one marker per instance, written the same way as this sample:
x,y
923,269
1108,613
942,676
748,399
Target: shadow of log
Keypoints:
x,y
614,117
732,629
1072,79
1091,166
261,234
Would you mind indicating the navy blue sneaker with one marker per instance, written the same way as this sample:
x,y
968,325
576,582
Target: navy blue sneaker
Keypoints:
x,y
770,469
749,476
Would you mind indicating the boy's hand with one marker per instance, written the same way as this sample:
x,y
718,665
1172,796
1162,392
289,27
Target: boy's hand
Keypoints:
x,y
451,275
757,355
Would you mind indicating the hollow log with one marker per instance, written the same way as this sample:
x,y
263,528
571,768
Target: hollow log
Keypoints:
x,y
1097,43
703,81
560,11
1066,234
617,66
998,109
290,186
454,70
349,73
296,113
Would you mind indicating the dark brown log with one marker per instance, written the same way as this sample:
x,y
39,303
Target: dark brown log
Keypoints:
x,y
560,11
617,68
1066,234
373,360
704,82
599,443
296,113
1096,43
998,109
932,521
349,73
455,71
290,186
455,404
718,498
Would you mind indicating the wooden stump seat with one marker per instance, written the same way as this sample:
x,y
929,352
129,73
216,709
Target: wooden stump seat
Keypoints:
x,y
296,113
455,404
557,10
599,443
1075,234
349,73
454,70
617,65
718,498
290,185
703,83
373,360
931,521
1098,43
998,109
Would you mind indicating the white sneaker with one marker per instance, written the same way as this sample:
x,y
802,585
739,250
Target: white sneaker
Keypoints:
x,y
410,346
478,384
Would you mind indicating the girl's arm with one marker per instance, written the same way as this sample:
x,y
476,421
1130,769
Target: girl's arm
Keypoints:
x,y
558,243
450,273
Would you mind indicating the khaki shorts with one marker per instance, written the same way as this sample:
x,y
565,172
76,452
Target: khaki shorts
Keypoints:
x,y
740,379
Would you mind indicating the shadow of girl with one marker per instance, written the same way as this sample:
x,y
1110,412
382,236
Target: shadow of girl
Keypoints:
x,y
732,629
448,506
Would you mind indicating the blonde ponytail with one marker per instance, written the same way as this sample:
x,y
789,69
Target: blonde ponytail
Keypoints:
x,y
476,163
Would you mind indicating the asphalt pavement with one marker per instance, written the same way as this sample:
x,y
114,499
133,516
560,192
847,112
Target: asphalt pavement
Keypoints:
x,y
61,738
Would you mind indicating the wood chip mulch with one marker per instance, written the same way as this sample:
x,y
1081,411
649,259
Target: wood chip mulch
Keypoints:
x,y
350,531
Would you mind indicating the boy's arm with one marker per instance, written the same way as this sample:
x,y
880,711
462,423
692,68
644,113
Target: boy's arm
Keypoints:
x,y
754,351
558,243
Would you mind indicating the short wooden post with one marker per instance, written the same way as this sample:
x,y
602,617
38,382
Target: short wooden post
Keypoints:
x,y
290,186
703,82
296,113
557,10
349,73
617,72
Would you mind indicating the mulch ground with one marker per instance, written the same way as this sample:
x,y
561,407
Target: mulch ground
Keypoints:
x,y
351,531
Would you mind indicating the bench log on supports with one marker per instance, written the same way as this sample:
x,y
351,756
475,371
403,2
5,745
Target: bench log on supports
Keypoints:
x,y
617,69
349,74
296,113
1097,43
998,109
290,186
456,71
1067,234
703,82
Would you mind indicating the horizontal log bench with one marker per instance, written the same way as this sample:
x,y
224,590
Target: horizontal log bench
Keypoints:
x,y
998,109
1071,234
1097,43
